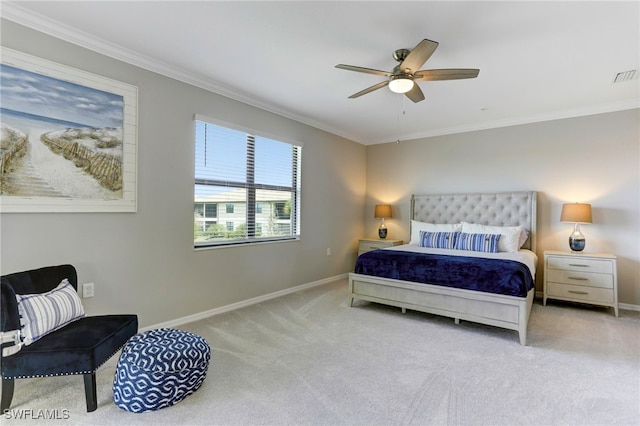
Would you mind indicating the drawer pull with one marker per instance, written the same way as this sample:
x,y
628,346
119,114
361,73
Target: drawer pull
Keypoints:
x,y
577,292
578,278
578,265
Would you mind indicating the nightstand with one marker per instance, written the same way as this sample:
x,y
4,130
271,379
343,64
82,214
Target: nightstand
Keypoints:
x,y
368,244
581,277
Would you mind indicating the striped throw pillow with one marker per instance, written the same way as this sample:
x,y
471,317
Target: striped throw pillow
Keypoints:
x,y
487,243
444,240
43,313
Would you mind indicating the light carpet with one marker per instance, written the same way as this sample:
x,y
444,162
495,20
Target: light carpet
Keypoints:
x,y
309,359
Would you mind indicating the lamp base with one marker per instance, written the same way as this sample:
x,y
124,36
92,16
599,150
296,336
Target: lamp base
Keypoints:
x,y
382,230
576,240
576,244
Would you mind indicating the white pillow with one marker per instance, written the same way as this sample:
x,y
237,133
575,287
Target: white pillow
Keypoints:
x,y
510,239
42,313
417,226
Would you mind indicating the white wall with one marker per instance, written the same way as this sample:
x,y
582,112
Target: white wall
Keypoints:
x,y
144,262
593,159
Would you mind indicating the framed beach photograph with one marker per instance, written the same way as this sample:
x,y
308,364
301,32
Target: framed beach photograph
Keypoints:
x,y
68,138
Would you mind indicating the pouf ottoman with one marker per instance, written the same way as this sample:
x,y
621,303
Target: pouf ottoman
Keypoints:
x,y
159,368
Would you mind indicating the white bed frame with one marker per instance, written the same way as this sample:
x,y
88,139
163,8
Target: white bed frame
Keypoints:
x,y
500,209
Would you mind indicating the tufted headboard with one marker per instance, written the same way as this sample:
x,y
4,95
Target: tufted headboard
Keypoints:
x,y
493,208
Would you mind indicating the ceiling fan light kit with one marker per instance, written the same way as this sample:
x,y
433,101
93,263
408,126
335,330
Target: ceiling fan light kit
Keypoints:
x,y
404,75
400,84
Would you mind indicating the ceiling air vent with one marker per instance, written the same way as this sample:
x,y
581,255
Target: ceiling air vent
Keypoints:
x,y
621,77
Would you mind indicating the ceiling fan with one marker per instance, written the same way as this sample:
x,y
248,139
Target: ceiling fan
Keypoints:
x,y
404,76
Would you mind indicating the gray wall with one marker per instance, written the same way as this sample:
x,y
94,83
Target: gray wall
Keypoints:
x,y
593,159
144,262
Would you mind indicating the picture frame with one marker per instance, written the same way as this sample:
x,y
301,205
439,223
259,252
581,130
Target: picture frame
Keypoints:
x,y
69,138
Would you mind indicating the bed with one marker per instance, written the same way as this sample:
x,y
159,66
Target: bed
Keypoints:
x,y
501,209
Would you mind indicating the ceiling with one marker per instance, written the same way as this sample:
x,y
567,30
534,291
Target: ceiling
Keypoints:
x,y
538,60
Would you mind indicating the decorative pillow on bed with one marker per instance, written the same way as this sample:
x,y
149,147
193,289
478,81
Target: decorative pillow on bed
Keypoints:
x,y
511,235
43,313
487,243
417,227
443,240
523,238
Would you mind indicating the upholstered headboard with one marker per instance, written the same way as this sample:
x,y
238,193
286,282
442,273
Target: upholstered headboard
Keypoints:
x,y
493,208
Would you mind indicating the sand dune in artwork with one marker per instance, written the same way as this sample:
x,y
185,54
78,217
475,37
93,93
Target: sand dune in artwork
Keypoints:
x,y
35,170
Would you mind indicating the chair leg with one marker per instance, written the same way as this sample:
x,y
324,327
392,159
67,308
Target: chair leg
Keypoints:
x,y
7,393
90,391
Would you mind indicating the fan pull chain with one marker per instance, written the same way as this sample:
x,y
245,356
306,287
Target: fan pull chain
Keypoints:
x,y
400,108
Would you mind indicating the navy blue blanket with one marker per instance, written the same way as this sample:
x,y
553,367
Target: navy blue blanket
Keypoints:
x,y
498,276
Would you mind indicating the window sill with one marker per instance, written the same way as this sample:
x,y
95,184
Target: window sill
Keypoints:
x,y
241,243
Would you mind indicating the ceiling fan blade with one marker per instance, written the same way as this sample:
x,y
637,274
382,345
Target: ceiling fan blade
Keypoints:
x,y
369,89
445,74
418,56
415,94
364,70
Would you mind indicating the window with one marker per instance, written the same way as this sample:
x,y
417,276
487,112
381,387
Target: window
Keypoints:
x,y
247,182
282,210
205,217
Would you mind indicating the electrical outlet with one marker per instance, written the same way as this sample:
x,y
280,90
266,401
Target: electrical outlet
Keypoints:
x,y
87,290
328,252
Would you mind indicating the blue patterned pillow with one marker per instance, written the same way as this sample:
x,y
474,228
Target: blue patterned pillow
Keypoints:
x,y
487,243
42,313
443,240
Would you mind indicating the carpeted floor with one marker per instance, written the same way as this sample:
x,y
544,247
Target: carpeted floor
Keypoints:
x,y
308,359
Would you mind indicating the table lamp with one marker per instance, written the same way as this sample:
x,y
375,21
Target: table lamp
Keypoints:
x,y
576,213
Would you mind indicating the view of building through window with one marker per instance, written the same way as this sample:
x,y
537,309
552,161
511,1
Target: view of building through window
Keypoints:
x,y
247,188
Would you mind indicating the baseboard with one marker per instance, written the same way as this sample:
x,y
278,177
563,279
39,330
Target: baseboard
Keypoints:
x,y
196,317
206,314
624,306
629,307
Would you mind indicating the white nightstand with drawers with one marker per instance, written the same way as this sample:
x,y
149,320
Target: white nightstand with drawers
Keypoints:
x,y
581,277
368,244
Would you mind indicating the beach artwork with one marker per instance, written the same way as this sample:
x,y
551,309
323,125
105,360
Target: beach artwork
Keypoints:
x,y
67,138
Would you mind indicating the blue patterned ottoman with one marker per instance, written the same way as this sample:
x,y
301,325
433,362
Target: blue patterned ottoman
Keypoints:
x,y
159,368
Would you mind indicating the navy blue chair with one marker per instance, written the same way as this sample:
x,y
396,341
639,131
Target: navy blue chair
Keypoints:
x,y
79,347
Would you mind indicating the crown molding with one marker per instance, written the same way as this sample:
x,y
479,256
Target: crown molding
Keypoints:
x,y
557,115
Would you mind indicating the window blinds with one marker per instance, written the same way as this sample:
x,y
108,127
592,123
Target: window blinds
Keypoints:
x,y
244,170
